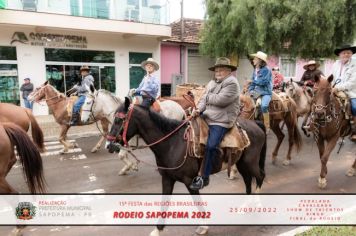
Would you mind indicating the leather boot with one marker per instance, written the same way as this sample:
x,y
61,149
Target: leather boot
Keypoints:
x,y
266,121
75,119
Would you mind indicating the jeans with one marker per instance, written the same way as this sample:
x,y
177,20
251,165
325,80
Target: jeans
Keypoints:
x,y
78,104
28,104
353,106
215,136
265,102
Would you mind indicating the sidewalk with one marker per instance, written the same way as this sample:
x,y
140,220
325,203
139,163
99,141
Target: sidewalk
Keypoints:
x,y
51,128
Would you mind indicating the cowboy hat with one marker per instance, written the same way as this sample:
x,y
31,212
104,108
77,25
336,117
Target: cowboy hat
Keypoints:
x,y
84,68
310,63
345,47
223,62
260,55
150,61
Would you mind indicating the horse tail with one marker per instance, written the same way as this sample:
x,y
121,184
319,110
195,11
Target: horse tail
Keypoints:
x,y
263,152
29,156
37,133
297,139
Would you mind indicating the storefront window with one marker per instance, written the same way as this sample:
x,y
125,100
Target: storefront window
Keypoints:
x,y
8,53
136,71
9,84
69,55
65,77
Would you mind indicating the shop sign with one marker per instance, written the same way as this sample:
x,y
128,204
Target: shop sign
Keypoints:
x,y
8,72
50,40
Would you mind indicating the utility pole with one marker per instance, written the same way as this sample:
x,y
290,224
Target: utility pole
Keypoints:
x,y
182,48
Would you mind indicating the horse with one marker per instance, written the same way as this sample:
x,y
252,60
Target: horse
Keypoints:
x,y
58,103
102,104
12,135
302,100
328,123
172,157
186,101
248,110
24,118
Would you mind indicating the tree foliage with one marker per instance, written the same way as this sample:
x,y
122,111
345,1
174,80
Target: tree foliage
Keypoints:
x,y
304,28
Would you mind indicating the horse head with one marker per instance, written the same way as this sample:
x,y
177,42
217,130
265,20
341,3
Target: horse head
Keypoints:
x,y
115,134
39,93
322,96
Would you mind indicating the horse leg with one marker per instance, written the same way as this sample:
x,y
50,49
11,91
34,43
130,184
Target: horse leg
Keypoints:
x,y
245,173
352,170
233,172
123,156
324,160
62,138
280,136
305,120
105,126
167,189
290,127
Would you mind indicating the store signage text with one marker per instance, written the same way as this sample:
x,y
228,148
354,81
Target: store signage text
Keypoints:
x,y
50,40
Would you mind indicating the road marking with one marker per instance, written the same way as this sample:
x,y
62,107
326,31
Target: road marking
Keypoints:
x,y
75,150
57,142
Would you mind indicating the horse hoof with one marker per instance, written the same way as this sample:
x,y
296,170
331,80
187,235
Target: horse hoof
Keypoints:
x,y
155,232
63,151
274,160
134,167
322,183
202,230
350,172
258,190
94,150
122,172
286,162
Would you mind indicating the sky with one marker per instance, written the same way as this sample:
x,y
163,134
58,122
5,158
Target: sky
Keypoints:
x,y
192,9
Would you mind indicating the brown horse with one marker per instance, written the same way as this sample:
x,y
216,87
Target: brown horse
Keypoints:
x,y
58,102
186,101
12,135
248,111
328,123
24,118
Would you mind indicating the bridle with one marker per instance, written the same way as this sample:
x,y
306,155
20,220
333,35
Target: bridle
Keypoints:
x,y
125,124
58,95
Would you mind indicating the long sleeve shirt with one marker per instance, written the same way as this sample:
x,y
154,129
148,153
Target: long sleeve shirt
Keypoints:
x,y
149,86
345,77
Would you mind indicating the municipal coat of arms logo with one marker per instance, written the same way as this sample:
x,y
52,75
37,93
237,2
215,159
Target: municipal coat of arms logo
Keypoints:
x,y
25,211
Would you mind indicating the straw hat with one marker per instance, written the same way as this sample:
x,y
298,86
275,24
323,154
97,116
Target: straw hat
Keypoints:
x,y
310,63
223,62
345,47
84,68
260,55
150,61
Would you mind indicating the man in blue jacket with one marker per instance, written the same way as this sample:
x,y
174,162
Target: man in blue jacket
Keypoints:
x,y
262,84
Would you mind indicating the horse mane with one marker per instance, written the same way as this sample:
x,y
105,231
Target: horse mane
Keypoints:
x,y
106,92
163,123
61,95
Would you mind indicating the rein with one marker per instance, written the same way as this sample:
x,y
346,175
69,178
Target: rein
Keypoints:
x,y
130,149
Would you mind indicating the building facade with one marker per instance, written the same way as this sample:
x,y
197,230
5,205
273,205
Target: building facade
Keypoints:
x,y
50,40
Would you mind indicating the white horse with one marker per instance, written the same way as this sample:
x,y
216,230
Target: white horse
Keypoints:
x,y
302,99
102,103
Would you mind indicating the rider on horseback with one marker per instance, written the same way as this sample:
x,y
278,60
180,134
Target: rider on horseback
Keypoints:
x,y
262,84
81,88
344,70
308,78
219,106
149,86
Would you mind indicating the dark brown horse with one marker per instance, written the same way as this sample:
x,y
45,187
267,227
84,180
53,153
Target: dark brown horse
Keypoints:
x,y
12,135
173,161
24,118
248,110
58,102
328,124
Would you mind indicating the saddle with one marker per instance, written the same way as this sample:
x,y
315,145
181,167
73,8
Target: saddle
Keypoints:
x,y
234,141
70,104
344,102
279,104
137,100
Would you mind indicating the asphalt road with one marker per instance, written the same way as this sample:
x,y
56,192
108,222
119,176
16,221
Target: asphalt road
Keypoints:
x,y
84,172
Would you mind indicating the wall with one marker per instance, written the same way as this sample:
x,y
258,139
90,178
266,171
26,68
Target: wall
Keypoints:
x,y
170,62
31,59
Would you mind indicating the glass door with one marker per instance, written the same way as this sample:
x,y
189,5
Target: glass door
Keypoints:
x,y
9,84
